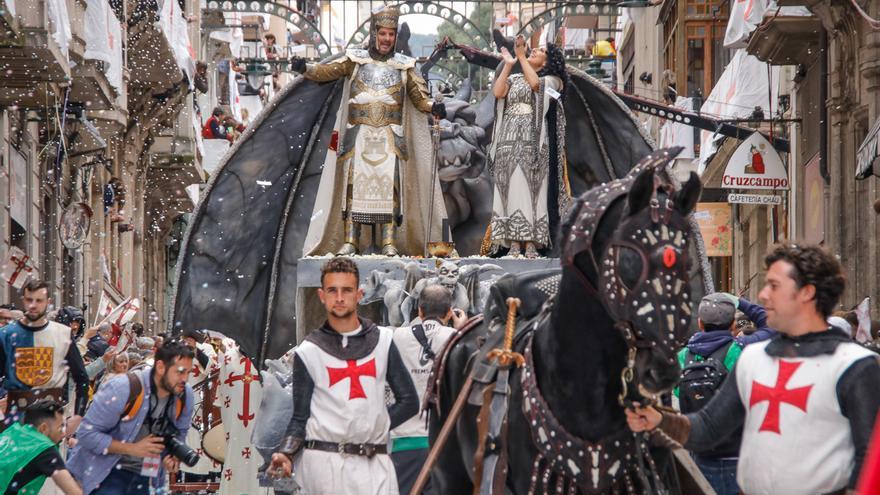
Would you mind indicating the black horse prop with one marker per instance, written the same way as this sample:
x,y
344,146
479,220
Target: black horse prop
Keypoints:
x,y
597,334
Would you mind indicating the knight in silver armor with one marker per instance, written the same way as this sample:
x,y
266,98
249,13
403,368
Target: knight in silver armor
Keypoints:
x,y
372,152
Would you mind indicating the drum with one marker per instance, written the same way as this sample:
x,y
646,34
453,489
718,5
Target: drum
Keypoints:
x,y
214,443
214,439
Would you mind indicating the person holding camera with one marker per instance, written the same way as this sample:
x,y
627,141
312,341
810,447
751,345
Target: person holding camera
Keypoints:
x,y
136,427
419,345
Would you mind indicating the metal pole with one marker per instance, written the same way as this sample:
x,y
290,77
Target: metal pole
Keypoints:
x,y
435,162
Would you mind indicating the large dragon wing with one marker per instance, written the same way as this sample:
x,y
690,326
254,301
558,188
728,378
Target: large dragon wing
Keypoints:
x,y
603,139
237,269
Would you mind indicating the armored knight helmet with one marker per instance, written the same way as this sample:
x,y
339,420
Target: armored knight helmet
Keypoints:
x,y
387,17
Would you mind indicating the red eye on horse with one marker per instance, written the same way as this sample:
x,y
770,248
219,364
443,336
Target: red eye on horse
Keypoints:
x,y
669,257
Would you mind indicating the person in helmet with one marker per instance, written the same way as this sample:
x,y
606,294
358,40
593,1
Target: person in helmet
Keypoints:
x,y
74,318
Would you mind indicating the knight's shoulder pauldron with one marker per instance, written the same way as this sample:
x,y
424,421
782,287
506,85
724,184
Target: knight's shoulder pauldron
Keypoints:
x,y
330,71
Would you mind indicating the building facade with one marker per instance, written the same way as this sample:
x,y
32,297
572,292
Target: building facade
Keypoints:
x,y
824,100
96,116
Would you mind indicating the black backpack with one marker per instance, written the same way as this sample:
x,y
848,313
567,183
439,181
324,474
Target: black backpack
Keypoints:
x,y
701,379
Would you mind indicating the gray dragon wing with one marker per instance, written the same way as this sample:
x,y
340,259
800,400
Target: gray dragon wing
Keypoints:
x,y
238,263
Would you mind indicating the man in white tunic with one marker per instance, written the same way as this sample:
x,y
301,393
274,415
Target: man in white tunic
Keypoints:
x,y
419,345
807,399
336,442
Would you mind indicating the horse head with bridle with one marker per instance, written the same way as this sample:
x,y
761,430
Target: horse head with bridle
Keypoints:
x,y
595,336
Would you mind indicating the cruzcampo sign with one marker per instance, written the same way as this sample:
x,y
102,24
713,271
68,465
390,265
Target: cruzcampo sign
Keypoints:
x,y
755,165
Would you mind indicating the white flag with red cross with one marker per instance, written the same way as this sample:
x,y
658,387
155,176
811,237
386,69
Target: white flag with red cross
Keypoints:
x,y
120,315
239,400
18,267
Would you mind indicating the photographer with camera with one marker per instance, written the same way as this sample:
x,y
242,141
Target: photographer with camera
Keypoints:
x,y
136,427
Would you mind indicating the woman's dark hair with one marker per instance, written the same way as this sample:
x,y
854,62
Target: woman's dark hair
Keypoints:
x,y
555,65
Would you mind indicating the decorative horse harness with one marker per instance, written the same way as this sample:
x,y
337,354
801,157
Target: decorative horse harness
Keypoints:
x,y
605,466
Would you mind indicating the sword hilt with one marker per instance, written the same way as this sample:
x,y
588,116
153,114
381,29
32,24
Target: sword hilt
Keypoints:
x,y
505,356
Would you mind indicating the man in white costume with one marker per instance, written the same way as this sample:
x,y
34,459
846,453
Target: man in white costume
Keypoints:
x,y
239,400
336,443
806,399
419,344
378,169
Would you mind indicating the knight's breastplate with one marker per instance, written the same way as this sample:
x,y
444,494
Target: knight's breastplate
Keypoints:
x,y
376,96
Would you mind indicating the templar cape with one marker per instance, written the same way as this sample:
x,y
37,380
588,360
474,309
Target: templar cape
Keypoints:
x,y
238,265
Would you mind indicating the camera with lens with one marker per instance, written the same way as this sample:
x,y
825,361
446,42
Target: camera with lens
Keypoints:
x,y
182,451
175,447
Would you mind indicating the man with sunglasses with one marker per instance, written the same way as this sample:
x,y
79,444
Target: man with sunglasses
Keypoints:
x,y
123,440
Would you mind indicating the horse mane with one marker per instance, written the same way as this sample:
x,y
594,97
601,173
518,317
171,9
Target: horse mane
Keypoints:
x,y
570,219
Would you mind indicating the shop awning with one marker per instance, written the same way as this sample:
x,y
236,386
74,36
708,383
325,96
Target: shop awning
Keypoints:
x,y
867,162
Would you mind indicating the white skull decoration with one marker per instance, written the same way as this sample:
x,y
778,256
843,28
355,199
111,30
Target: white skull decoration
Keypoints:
x,y
448,275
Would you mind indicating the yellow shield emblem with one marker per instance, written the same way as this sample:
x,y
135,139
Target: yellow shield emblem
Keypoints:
x,y
33,365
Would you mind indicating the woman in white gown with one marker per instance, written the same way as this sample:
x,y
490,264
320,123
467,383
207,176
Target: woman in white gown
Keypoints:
x,y
520,152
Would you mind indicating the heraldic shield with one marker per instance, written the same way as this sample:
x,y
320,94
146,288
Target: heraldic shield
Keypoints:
x,y
33,365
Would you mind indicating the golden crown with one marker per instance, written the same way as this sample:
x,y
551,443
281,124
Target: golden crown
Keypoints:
x,y
386,18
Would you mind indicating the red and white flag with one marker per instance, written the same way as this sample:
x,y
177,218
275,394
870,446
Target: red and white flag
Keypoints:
x,y
18,267
120,315
105,306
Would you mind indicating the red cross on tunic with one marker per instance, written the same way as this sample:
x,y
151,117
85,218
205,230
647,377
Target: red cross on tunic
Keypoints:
x,y
228,474
246,378
778,394
246,453
353,371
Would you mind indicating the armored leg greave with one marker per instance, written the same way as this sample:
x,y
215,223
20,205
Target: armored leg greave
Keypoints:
x,y
388,231
352,237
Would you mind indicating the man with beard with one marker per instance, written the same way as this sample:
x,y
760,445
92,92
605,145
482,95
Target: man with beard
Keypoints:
x,y
336,441
37,357
380,174
122,443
